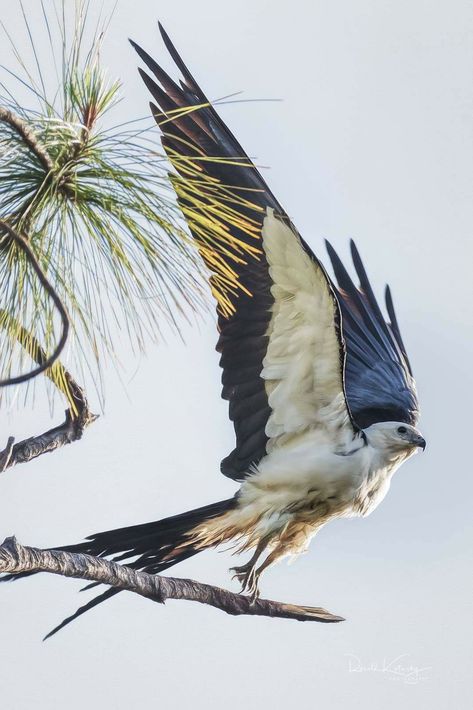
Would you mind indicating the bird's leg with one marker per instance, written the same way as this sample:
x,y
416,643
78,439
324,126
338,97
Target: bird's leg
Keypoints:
x,y
253,586
245,573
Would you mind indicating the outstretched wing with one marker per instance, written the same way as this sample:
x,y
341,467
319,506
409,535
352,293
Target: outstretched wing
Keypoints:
x,y
379,382
281,345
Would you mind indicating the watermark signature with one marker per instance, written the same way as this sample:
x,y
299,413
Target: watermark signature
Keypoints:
x,y
396,669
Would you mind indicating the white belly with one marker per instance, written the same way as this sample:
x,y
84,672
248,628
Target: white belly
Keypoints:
x,y
306,478
298,488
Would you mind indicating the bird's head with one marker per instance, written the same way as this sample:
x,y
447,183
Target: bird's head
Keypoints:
x,y
395,437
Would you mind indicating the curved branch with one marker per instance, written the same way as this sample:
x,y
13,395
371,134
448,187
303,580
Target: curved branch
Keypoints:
x,y
58,374
28,136
14,558
23,244
78,416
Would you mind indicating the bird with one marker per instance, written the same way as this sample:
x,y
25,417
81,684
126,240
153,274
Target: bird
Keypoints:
x,y
319,386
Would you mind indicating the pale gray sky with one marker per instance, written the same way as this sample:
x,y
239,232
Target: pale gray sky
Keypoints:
x,y
373,140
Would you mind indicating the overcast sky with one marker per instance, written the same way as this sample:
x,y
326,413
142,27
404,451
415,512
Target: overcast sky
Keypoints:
x,y
372,140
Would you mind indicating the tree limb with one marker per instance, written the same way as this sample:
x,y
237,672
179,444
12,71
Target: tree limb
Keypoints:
x,y
70,430
14,558
78,416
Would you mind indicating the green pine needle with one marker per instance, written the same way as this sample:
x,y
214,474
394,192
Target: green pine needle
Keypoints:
x,y
95,203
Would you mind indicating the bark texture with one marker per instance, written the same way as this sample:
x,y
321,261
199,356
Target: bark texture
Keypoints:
x,y
15,558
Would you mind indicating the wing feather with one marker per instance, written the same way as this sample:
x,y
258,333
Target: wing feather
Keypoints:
x,y
303,367
285,331
379,382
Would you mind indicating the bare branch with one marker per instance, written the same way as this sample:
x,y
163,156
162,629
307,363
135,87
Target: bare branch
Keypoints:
x,y
78,416
14,558
28,136
70,430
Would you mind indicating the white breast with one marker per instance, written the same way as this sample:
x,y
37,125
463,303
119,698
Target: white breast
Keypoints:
x,y
307,469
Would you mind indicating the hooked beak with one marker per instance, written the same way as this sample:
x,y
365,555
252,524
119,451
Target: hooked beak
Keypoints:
x,y
420,442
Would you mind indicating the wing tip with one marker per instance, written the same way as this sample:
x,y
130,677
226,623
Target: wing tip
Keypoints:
x,y
167,40
328,246
388,299
357,261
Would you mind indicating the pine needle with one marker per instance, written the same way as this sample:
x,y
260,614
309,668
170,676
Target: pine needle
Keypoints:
x,y
97,207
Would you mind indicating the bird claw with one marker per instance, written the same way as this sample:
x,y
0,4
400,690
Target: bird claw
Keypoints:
x,y
248,578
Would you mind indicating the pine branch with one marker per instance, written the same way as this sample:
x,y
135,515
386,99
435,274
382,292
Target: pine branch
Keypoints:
x,y
28,136
94,197
15,558
46,362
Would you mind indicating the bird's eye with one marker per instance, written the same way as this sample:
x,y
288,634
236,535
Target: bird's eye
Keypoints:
x,y
402,430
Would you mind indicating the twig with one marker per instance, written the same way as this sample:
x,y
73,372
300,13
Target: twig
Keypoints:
x,y
28,136
14,558
58,373
22,242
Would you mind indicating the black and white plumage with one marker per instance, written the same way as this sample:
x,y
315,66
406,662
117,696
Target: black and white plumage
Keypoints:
x,y
319,385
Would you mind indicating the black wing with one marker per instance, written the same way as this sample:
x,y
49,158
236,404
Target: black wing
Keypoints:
x,y
214,167
225,200
222,193
378,377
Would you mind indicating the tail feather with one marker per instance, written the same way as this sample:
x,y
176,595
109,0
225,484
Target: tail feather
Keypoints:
x,y
82,609
137,564
152,543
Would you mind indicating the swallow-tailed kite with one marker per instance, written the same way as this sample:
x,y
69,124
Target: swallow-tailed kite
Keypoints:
x,y
319,385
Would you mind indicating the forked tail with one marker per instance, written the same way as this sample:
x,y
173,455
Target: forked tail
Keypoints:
x,y
157,546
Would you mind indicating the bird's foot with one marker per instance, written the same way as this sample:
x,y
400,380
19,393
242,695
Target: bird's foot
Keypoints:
x,y
248,577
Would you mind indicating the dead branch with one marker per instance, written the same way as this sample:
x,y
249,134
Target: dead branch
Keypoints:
x,y
70,430
14,558
78,415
